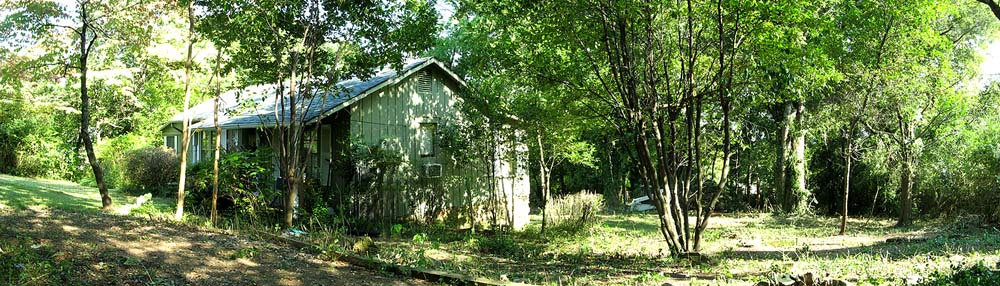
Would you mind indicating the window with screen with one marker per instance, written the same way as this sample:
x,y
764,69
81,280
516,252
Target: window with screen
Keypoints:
x,y
426,137
310,141
207,145
194,147
232,139
170,142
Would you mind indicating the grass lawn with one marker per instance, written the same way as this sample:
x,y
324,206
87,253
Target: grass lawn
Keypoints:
x,y
628,249
21,193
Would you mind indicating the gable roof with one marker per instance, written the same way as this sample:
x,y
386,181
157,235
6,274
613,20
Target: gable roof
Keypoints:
x,y
255,106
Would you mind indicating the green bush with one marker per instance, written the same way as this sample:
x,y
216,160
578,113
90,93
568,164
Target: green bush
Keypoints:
x,y
244,180
375,188
39,156
978,274
31,145
113,154
150,169
575,211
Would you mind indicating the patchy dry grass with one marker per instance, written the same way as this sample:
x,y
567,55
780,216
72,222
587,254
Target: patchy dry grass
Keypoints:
x,y
627,249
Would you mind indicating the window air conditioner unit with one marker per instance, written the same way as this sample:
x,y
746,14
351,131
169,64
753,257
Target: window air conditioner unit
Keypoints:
x,y
432,170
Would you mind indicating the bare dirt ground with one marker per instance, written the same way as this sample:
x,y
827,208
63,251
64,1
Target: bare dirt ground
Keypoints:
x,y
117,250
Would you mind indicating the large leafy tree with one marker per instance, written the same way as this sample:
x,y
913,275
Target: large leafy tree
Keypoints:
x,y
920,93
525,85
646,68
41,24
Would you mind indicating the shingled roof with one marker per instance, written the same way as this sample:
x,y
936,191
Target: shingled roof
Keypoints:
x,y
255,106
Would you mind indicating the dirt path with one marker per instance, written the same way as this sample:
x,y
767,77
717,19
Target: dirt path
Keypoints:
x,y
117,250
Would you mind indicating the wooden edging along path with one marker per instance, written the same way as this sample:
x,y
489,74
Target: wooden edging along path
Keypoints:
x,y
414,272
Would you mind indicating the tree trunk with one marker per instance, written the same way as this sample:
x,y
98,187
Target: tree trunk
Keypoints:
x,y
800,194
215,163
214,214
543,180
847,182
749,187
292,144
293,185
187,119
905,189
88,143
781,159
993,7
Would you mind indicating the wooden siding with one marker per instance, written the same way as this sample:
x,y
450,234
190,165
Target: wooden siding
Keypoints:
x,y
393,116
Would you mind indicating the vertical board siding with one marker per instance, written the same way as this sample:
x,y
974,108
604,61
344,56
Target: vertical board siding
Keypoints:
x,y
394,115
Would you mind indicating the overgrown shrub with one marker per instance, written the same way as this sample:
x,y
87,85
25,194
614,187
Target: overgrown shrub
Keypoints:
x,y
975,275
575,211
39,156
245,182
113,154
31,144
150,169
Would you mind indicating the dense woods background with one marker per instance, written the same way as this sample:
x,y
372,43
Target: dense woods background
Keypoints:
x,y
876,108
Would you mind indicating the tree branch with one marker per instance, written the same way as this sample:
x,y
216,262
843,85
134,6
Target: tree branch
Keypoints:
x,y
993,7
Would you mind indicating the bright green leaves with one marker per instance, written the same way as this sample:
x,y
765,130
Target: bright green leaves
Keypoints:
x,y
24,21
265,36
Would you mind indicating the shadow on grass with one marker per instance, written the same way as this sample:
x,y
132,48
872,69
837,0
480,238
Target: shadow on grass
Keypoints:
x,y
864,225
101,249
982,241
529,256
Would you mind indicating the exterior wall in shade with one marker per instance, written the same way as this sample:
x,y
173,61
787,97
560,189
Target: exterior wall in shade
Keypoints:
x,y
393,118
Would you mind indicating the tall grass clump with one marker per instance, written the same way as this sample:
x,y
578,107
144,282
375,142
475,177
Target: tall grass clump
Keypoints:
x,y
576,211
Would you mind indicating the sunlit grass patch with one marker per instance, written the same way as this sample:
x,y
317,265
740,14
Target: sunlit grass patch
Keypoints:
x,y
20,193
742,248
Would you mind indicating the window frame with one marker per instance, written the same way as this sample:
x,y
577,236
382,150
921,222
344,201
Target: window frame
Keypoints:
x,y
423,135
170,142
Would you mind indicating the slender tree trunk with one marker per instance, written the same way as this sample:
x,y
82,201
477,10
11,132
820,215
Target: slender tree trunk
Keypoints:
x,y
187,118
215,163
293,145
905,189
218,142
800,194
848,150
781,161
749,180
88,143
543,178
727,151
